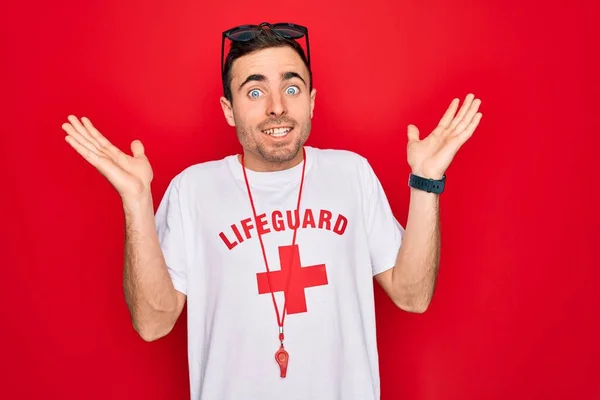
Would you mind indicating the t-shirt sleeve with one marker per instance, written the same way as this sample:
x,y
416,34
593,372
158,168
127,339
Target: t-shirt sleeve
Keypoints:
x,y
384,232
169,226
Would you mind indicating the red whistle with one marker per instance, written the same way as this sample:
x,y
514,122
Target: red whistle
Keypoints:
x,y
282,357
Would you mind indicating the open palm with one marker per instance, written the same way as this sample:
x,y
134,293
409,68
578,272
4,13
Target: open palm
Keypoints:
x,y
130,175
431,156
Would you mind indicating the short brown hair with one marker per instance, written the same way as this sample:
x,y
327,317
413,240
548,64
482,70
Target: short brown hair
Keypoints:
x,y
264,39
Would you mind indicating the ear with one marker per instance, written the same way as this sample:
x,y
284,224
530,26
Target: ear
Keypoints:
x,y
313,94
227,111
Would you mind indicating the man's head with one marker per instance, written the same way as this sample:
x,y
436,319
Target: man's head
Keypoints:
x,y
269,99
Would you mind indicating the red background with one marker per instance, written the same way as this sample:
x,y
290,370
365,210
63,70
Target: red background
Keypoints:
x,y
515,315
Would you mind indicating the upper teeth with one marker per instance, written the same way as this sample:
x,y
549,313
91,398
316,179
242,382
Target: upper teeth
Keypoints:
x,y
277,131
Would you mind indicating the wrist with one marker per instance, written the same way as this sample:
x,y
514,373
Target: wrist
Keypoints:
x,y
138,202
427,174
425,182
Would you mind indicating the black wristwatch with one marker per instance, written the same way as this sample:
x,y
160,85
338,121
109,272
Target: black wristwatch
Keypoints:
x,y
427,184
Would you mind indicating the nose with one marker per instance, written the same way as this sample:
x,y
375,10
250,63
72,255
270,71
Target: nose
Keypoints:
x,y
276,106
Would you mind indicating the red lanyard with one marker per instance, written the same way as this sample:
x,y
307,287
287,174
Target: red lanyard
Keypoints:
x,y
281,356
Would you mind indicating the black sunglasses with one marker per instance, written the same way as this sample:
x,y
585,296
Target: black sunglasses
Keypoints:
x,y
244,33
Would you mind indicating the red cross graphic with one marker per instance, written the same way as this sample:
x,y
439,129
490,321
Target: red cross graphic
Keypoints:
x,y
302,277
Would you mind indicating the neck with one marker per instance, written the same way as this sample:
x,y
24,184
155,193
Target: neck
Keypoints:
x,y
258,164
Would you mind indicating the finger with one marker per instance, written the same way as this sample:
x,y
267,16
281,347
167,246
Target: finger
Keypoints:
x,y
82,130
102,164
469,116
457,141
137,149
104,143
79,138
449,114
84,151
413,133
463,110
468,131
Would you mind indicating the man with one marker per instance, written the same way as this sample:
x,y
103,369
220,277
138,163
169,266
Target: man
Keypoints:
x,y
274,250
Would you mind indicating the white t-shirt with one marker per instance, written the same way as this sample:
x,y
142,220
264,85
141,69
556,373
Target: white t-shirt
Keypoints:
x,y
347,234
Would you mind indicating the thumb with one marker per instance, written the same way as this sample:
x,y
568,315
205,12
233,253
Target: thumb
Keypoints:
x,y
137,148
413,133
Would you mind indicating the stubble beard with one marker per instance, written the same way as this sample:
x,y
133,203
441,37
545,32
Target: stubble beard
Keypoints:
x,y
277,153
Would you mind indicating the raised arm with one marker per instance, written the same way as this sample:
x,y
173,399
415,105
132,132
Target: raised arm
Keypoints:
x,y
153,302
411,282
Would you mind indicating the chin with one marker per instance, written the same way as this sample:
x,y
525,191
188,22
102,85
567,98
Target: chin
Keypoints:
x,y
280,154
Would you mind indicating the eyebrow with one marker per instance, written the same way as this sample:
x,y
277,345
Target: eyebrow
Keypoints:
x,y
290,75
253,78
261,78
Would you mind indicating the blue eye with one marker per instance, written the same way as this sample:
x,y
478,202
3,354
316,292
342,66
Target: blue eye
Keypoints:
x,y
292,90
255,93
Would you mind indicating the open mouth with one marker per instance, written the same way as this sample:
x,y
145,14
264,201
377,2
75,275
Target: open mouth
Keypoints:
x,y
278,132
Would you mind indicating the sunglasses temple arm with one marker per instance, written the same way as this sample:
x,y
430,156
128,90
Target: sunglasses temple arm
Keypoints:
x,y
222,54
308,50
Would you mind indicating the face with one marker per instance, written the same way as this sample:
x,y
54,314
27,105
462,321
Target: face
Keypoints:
x,y
272,107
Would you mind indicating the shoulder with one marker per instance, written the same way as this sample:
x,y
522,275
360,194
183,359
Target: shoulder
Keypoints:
x,y
342,161
339,158
202,173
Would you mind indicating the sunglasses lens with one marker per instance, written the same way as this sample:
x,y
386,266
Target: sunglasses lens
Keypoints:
x,y
243,35
289,32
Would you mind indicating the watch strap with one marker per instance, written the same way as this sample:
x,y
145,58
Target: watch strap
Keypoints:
x,y
427,184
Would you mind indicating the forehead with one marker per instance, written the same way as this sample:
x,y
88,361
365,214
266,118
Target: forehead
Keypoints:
x,y
270,62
